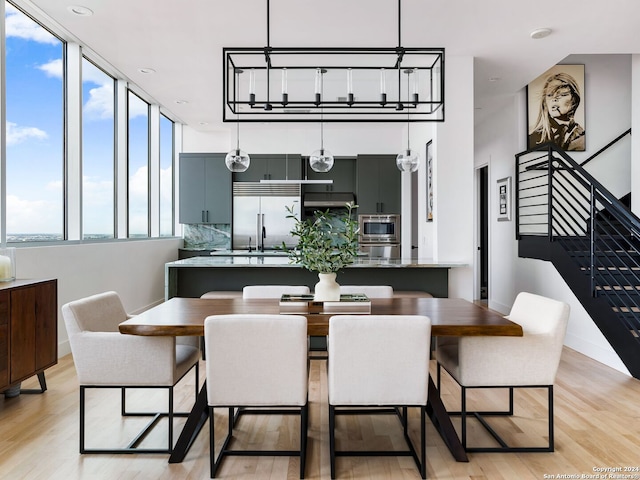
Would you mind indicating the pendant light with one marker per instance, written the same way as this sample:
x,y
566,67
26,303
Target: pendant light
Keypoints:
x,y
237,160
321,160
408,160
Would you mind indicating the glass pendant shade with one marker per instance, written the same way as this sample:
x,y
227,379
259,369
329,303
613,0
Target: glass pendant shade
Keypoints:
x,y
237,160
407,161
321,161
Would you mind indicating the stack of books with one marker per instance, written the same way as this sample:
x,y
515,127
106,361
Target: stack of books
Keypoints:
x,y
348,303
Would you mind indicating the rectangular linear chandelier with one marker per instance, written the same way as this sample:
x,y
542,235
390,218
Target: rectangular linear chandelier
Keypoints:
x,y
339,84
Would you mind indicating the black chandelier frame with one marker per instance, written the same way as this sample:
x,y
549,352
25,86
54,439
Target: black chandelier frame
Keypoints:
x,y
250,104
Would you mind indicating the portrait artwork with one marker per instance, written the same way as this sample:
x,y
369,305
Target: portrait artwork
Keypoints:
x,y
555,108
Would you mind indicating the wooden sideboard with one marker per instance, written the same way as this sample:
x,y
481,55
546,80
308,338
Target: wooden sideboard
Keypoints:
x,y
28,330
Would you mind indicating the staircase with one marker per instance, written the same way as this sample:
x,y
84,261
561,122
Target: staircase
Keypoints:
x,y
567,217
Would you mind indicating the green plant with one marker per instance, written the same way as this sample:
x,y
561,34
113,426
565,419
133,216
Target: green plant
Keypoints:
x,y
327,242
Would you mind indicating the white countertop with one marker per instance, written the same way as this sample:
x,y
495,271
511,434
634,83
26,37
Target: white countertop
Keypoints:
x,y
258,260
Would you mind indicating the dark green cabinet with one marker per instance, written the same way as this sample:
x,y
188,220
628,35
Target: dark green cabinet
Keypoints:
x,y
343,174
271,167
378,184
205,188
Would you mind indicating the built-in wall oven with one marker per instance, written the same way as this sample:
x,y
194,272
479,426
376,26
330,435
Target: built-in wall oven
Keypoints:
x,y
379,235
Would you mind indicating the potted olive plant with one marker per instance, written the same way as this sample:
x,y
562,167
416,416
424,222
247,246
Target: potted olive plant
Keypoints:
x,y
327,242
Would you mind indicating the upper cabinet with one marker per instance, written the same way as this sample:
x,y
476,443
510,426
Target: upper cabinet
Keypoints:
x,y
378,184
205,188
271,167
343,174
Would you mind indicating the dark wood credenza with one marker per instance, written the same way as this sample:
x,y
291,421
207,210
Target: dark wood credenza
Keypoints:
x,y
28,331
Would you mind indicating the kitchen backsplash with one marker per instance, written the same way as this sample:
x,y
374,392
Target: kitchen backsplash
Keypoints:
x,y
207,236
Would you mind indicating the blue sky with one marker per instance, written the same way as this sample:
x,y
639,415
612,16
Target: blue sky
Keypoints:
x,y
34,93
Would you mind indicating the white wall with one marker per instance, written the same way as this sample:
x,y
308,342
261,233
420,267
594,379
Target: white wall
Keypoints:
x,y
340,139
453,225
134,269
499,138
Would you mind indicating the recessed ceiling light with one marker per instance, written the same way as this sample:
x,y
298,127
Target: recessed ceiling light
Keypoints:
x,y
146,71
204,123
540,33
494,79
80,10
181,102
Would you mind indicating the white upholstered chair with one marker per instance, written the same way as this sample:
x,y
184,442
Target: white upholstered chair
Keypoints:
x,y
378,361
222,294
371,291
105,358
530,361
257,361
273,291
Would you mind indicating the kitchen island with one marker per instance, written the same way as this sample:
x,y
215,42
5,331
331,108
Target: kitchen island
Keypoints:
x,y
191,277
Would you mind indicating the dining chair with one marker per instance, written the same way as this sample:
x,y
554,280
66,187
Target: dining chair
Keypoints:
x,y
222,294
105,358
378,364
273,291
530,361
371,291
256,361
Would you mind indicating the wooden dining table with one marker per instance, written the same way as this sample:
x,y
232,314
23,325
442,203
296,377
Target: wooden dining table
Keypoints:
x,y
449,317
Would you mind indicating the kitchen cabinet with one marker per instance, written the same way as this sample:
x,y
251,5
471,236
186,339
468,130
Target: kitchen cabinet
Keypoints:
x,y
378,184
343,174
205,189
271,167
28,330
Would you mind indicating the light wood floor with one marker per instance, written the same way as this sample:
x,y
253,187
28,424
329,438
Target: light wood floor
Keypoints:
x,y
597,425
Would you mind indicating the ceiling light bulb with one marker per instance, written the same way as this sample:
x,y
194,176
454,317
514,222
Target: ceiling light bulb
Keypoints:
x,y
540,33
407,161
237,160
321,161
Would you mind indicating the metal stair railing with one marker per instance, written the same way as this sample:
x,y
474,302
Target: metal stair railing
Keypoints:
x,y
557,198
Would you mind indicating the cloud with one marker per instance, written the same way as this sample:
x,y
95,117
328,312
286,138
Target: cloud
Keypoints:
x,y
139,184
33,216
52,68
100,103
19,25
17,134
166,177
137,107
97,192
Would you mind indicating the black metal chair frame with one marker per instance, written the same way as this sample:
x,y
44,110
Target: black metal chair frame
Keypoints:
x,y
401,412
303,411
479,415
132,447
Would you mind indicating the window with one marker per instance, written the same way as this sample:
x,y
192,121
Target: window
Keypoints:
x,y
138,167
35,130
98,131
166,177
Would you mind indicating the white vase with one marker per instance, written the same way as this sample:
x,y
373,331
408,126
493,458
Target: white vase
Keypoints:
x,y
327,289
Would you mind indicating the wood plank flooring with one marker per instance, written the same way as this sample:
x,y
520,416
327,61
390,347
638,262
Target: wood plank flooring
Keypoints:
x,y
597,425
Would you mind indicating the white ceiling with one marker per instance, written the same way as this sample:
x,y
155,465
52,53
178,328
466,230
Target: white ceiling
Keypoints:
x,y
182,40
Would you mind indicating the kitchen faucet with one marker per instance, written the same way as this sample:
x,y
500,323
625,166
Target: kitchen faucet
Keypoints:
x,y
263,236
249,244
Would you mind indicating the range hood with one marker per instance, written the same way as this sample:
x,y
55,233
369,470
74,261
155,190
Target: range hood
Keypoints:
x,y
327,199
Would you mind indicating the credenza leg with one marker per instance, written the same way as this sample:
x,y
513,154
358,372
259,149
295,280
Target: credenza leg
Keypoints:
x,y
43,385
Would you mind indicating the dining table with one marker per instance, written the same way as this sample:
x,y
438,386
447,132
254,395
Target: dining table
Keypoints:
x,y
181,316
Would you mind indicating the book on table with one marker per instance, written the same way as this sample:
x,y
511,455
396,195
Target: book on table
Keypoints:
x,y
348,303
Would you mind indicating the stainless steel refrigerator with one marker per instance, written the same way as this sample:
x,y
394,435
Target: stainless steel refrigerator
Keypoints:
x,y
259,215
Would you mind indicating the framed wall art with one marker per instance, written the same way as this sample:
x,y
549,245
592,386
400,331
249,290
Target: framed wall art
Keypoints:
x,y
555,108
429,157
504,199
